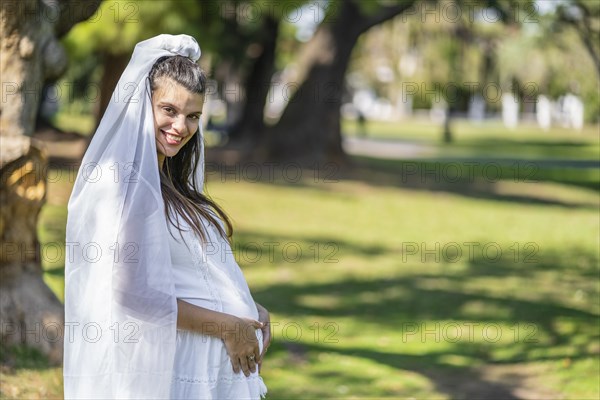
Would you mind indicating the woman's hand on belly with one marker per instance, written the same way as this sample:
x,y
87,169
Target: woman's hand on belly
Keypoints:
x,y
237,333
239,336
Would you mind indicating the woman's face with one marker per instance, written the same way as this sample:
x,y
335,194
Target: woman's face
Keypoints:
x,y
176,116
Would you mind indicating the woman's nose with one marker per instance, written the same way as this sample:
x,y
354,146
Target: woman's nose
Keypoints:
x,y
180,125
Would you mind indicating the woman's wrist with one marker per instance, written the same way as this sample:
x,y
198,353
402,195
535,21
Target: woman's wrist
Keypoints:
x,y
205,321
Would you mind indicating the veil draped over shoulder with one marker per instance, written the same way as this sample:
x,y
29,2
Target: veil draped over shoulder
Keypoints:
x,y
120,307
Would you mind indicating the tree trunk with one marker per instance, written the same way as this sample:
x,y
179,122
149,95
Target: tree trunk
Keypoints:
x,y
309,128
114,65
309,131
447,136
30,313
31,55
248,128
460,35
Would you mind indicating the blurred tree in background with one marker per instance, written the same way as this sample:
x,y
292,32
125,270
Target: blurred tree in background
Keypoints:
x,y
243,47
31,57
584,17
252,50
309,128
438,52
100,48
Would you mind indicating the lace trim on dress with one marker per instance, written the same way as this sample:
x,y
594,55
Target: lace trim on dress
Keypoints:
x,y
189,379
258,378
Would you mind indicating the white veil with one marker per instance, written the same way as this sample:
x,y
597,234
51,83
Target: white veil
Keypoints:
x,y
120,307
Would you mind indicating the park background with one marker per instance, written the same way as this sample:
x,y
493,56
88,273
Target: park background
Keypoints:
x,y
414,185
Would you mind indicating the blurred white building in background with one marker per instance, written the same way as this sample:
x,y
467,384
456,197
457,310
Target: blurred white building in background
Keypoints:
x,y
571,111
510,110
543,112
567,111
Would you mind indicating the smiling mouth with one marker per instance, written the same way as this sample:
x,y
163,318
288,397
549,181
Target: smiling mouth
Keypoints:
x,y
172,139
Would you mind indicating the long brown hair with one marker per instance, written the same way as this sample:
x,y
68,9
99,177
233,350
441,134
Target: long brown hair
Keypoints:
x,y
178,183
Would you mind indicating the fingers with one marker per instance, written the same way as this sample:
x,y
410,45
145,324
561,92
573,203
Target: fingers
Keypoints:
x,y
266,340
258,324
235,363
256,351
244,365
248,365
244,350
252,364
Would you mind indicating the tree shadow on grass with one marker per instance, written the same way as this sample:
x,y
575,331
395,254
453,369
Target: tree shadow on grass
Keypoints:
x,y
456,382
408,300
251,248
503,294
475,180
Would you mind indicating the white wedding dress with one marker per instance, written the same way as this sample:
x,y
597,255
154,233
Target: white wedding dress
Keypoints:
x,y
209,277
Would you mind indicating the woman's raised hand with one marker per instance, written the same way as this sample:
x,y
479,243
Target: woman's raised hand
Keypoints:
x,y
239,336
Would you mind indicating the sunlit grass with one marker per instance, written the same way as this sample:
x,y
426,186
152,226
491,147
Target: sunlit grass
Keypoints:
x,y
535,303
488,139
370,299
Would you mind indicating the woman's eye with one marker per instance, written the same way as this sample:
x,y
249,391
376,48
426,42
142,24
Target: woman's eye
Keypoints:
x,y
169,110
194,117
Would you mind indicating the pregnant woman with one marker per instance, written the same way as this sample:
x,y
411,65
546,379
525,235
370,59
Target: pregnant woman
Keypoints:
x,y
155,303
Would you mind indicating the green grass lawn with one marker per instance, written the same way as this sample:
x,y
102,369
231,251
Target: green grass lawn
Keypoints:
x,y
392,316
383,285
488,138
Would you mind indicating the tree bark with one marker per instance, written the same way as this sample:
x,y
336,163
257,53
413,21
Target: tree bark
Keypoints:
x,y
31,56
447,130
249,126
30,313
114,65
309,131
